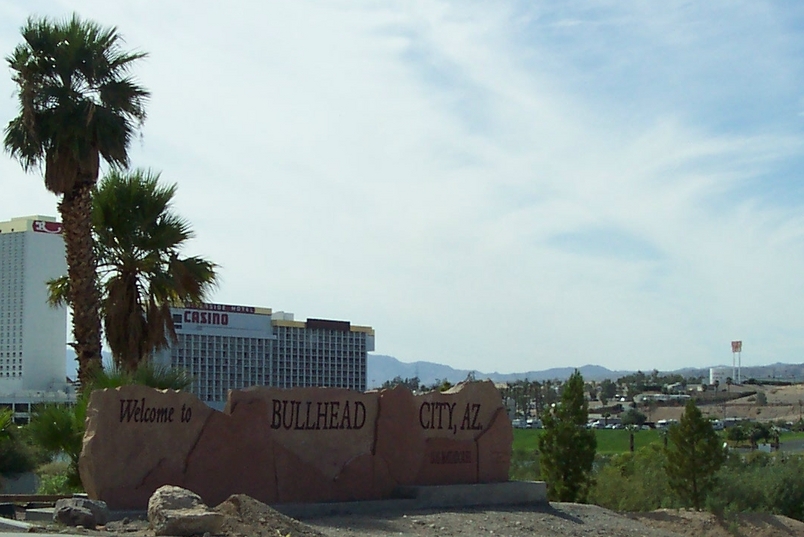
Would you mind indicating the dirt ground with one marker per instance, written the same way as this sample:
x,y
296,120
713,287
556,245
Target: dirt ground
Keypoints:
x,y
246,517
784,403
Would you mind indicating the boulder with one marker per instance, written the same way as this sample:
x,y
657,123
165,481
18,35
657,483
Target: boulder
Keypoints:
x,y
81,512
177,511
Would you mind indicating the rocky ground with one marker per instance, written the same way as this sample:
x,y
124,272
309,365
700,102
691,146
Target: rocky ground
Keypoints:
x,y
784,403
246,517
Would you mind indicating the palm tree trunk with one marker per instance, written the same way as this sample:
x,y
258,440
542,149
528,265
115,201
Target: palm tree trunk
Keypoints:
x,y
76,214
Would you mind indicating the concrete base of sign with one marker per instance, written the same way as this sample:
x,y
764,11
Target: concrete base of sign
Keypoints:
x,y
429,497
40,514
7,525
407,499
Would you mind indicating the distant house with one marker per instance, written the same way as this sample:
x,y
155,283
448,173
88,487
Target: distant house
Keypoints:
x,y
660,397
676,387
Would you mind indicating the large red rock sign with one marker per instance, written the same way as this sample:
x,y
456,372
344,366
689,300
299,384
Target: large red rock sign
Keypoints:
x,y
293,445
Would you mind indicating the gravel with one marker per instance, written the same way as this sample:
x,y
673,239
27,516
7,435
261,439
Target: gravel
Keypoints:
x,y
246,517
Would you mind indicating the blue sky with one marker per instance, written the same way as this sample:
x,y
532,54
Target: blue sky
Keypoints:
x,y
499,186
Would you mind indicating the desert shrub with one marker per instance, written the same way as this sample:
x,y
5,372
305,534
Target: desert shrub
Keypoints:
x,y
55,478
633,481
760,482
632,416
741,485
59,430
760,431
17,453
524,465
737,434
785,489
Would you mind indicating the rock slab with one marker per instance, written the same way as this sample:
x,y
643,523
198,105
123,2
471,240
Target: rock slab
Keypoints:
x,y
177,511
81,512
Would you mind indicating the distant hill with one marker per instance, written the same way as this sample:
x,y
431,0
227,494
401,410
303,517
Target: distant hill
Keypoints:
x,y
382,368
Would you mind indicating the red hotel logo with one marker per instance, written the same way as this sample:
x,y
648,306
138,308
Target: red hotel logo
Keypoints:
x,y
53,228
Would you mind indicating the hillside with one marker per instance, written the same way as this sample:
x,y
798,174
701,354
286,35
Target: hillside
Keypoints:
x,y
382,368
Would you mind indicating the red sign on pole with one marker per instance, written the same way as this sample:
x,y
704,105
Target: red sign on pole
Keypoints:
x,y
736,346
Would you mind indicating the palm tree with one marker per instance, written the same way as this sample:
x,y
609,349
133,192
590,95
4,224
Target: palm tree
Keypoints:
x,y
77,104
138,239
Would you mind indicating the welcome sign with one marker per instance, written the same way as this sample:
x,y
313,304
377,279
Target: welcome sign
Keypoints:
x,y
292,445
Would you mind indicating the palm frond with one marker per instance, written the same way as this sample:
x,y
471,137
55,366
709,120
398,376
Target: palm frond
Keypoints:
x,y
76,99
58,291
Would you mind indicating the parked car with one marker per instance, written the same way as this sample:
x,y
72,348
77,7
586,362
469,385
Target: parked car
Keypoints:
x,y
534,423
518,423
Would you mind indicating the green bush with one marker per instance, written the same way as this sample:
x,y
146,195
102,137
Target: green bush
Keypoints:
x,y
760,482
633,481
785,489
524,465
741,485
55,478
17,453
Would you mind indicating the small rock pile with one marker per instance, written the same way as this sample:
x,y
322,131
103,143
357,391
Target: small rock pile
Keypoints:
x,y
82,512
177,511
243,515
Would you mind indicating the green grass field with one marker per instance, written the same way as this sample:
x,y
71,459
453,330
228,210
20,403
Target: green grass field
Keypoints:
x,y
609,441
784,437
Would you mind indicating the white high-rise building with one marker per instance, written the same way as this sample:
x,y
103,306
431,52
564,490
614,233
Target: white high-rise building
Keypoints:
x,y
32,334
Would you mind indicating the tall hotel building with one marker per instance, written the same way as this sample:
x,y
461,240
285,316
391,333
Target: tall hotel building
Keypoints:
x,y
32,334
227,347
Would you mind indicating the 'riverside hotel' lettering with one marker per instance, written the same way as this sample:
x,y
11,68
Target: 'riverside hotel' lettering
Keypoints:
x,y
307,415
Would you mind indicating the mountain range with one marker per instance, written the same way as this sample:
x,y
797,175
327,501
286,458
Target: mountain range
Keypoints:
x,y
381,368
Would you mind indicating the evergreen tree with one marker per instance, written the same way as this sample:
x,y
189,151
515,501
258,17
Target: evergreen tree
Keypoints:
x,y
567,448
694,455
